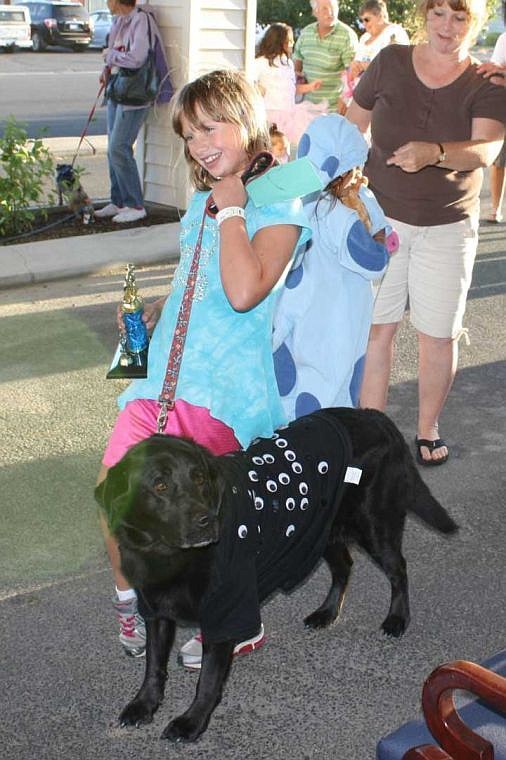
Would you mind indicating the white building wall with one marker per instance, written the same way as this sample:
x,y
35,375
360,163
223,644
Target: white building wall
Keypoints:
x,y
199,36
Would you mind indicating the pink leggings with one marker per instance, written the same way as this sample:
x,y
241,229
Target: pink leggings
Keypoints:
x,y
138,421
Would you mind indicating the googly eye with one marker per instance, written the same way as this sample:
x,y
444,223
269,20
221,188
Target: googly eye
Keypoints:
x,y
297,468
281,443
283,478
290,530
271,486
274,436
253,475
258,528
268,459
290,504
303,488
290,455
323,468
234,489
304,503
257,460
259,503
242,531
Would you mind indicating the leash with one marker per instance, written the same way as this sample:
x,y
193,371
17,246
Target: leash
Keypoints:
x,y
258,165
88,121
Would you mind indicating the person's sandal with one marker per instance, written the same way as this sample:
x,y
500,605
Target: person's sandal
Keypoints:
x,y
495,217
432,446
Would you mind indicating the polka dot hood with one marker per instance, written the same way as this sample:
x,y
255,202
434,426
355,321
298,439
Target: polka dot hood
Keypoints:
x,y
333,145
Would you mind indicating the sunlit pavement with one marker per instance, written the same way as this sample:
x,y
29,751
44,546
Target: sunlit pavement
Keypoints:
x,y
304,695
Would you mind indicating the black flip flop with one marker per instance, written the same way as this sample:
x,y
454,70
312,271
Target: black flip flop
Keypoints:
x,y
432,446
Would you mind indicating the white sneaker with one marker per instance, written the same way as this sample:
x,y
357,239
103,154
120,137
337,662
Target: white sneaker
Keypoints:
x,y
129,215
110,210
190,654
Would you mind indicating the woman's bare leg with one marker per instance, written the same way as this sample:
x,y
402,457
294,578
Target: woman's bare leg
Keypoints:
x,y
378,364
436,372
497,183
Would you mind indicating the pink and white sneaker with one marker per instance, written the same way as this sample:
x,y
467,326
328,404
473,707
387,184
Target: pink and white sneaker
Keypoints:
x,y
190,654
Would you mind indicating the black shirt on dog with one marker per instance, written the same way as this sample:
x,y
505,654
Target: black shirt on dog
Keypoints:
x,y
281,497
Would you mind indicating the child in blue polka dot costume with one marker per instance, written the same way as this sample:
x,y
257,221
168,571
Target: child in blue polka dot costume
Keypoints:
x,y
324,311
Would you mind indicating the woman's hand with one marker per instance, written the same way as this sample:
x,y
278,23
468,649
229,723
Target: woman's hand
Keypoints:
x,y
493,72
104,76
229,191
414,156
356,68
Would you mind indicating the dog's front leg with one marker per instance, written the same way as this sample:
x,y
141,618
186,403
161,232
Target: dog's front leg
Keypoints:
x,y
159,640
216,661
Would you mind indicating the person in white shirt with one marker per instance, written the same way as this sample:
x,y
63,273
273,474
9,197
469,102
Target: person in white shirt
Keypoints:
x,y
275,77
497,170
379,33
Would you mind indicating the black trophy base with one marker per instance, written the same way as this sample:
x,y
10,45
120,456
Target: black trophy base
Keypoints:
x,y
138,369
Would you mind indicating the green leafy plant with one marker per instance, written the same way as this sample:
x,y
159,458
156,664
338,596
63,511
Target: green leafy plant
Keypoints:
x,y
24,166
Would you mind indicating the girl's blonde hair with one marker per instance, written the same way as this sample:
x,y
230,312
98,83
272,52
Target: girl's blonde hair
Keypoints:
x,y
224,96
476,11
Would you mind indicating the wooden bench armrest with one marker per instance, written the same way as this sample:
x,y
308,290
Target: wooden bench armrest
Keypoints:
x,y
456,739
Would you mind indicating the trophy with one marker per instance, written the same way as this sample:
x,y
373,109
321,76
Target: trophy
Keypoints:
x,y
131,358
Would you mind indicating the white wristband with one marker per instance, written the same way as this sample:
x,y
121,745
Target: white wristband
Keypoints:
x,y
230,211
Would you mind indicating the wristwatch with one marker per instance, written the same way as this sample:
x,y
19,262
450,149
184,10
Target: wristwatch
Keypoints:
x,y
442,154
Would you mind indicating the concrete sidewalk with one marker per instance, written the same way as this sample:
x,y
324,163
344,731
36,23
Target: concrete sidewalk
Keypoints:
x,y
24,263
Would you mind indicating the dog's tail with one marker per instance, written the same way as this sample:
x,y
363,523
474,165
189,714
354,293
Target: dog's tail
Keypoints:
x,y
428,508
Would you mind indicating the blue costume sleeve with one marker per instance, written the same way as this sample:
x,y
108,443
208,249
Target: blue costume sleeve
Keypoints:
x,y
352,243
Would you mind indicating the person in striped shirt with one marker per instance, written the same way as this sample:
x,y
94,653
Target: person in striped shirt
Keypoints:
x,y
323,51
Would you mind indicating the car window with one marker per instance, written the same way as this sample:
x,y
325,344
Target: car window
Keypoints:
x,y
39,10
70,11
12,16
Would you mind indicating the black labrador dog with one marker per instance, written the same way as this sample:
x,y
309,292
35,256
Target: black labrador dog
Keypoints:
x,y
205,539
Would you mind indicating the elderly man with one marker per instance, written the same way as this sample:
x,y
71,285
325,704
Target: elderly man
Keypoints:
x,y
323,50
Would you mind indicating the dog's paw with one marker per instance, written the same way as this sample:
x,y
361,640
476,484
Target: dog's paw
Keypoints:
x,y
319,619
394,625
183,729
136,713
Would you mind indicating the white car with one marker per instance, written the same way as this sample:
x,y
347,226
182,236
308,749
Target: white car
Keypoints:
x,y
15,27
101,24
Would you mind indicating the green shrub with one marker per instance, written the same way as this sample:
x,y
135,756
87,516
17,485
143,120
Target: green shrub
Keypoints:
x,y
24,165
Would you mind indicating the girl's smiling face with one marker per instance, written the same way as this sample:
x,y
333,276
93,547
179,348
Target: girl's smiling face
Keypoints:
x,y
216,145
447,30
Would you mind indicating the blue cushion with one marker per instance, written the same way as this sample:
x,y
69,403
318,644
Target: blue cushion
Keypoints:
x,y
482,719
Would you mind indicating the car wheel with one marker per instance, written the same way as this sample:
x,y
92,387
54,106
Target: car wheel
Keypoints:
x,y
38,43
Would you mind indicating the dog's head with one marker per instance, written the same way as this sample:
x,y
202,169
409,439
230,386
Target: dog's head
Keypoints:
x,y
164,494
66,179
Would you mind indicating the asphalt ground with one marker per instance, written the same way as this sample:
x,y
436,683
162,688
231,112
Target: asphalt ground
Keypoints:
x,y
305,694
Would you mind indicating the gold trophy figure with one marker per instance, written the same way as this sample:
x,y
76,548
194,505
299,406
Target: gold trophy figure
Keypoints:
x,y
131,357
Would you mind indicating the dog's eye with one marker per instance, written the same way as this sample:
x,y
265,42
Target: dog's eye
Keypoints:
x,y
160,485
198,478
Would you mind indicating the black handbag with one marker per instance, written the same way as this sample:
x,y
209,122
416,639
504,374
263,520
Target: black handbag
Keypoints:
x,y
135,87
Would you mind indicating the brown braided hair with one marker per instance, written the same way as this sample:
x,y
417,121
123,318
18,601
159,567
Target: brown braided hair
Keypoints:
x,y
346,189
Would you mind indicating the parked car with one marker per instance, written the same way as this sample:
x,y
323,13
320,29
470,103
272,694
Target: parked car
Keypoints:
x,y
59,23
14,27
101,26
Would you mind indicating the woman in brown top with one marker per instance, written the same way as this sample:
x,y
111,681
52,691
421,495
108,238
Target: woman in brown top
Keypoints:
x,y
435,122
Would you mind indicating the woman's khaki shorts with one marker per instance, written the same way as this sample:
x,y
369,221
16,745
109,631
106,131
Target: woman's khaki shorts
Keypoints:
x,y
434,267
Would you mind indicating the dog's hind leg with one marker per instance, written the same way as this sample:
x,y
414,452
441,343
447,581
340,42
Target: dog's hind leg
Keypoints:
x,y
340,563
393,564
159,640
216,661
